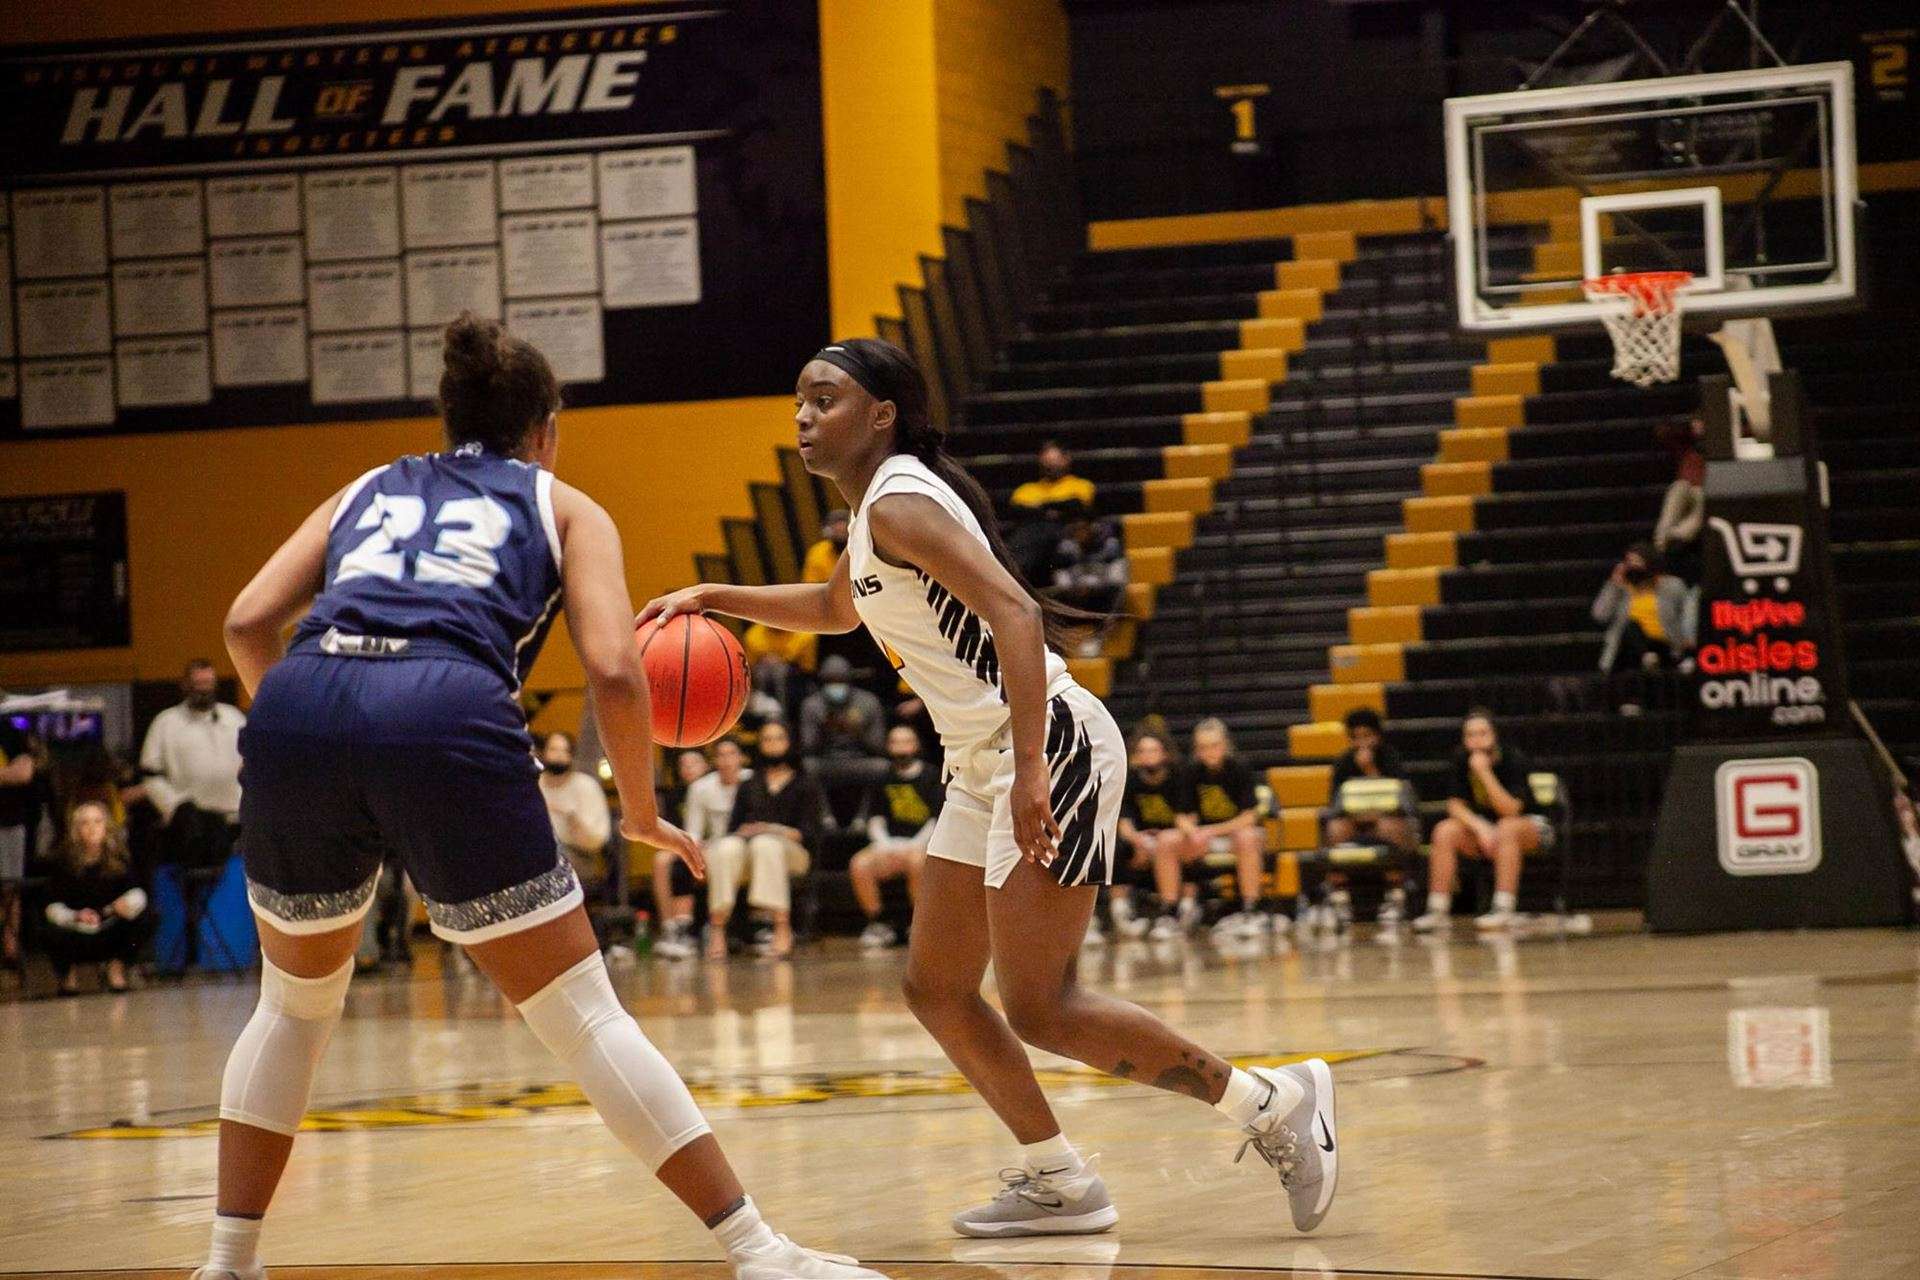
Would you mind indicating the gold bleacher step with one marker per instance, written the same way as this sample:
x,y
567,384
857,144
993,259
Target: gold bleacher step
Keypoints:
x,y
1197,461
1295,785
1367,663
1333,701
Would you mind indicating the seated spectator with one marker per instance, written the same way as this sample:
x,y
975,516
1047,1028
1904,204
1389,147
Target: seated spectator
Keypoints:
x,y
192,760
1683,511
94,909
823,555
16,787
1649,620
781,664
1038,506
577,805
900,814
1491,813
774,826
1227,807
1369,755
706,806
843,737
1156,821
1089,566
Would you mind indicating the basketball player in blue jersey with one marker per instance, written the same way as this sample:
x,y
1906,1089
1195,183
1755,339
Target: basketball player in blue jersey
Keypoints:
x,y
390,724
1036,770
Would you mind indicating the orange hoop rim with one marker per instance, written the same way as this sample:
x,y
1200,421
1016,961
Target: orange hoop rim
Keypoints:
x,y
1649,290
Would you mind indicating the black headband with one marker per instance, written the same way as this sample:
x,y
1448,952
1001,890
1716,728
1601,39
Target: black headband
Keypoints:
x,y
849,361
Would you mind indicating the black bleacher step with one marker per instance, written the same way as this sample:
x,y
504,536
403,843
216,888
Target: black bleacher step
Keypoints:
x,y
1108,371
1102,466
1534,509
1211,550
1375,255
1602,436
1525,580
1876,560
1851,523
1165,282
1504,618
1536,476
1327,406
1127,340
1138,431
1550,653
1102,315
1277,441
1079,403
1616,401
1432,737
1884,639
1287,578
1376,475
1523,545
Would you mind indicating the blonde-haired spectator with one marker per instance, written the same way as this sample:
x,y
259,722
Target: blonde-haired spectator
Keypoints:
x,y
94,909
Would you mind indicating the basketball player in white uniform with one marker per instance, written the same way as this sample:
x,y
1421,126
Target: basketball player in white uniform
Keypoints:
x,y
1036,768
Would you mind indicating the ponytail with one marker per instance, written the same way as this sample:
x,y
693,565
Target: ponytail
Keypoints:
x,y
888,373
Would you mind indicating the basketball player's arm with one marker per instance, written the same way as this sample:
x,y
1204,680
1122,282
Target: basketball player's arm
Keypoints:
x,y
909,528
600,619
822,608
279,593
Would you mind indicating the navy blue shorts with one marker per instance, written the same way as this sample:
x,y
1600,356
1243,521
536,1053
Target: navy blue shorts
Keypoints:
x,y
345,759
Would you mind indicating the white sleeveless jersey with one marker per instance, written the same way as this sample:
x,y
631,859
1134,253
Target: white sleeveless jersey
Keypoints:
x,y
943,649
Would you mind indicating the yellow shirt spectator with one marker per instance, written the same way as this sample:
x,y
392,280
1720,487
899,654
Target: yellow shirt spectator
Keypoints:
x,y
1047,493
1643,606
799,648
821,557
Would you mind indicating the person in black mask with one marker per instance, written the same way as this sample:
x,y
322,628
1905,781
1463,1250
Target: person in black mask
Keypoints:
x,y
900,814
843,732
1649,617
191,759
582,821
774,828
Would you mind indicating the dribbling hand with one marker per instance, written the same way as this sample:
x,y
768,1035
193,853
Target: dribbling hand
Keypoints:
x,y
685,600
662,834
1034,830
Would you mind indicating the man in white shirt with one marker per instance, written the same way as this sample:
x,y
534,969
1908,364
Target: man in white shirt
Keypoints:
x,y
192,759
706,815
577,805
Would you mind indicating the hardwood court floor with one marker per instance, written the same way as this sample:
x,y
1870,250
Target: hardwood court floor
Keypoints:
x,y
1721,1108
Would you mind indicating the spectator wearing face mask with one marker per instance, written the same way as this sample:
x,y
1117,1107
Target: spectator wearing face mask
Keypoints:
x,y
771,835
192,758
94,908
705,809
824,554
900,814
577,807
843,735
1649,621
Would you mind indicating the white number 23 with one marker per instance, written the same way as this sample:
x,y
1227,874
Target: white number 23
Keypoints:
x,y
471,530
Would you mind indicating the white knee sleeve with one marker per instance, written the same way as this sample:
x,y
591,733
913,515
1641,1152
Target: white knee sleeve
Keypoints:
x,y
634,1088
270,1070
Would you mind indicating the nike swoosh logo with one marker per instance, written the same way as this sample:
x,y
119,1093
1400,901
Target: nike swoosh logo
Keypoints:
x,y
1048,1204
1326,1134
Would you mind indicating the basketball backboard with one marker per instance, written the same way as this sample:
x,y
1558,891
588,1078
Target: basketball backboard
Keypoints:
x,y
1747,179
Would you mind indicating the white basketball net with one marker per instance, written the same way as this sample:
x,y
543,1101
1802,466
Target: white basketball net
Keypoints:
x,y
1642,315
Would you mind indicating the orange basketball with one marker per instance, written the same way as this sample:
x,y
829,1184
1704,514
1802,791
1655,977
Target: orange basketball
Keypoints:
x,y
698,676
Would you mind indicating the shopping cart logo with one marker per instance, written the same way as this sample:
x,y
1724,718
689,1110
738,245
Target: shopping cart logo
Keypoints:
x,y
1757,551
1768,816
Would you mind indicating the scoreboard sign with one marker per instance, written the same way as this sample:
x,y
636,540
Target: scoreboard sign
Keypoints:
x,y
275,227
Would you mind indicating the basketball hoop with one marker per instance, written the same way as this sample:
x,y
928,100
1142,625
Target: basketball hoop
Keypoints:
x,y
1642,313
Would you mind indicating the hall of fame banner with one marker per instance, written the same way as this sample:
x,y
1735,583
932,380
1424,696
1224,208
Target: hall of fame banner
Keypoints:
x,y
274,227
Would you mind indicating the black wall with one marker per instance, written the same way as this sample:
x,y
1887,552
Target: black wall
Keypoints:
x,y
1356,86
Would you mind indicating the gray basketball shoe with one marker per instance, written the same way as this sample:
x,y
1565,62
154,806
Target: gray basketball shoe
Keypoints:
x,y
1030,1204
1301,1143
